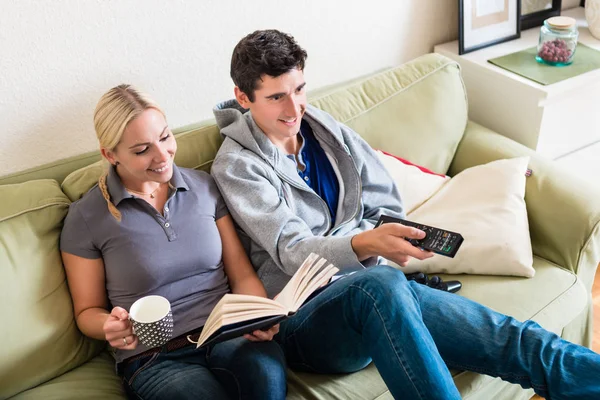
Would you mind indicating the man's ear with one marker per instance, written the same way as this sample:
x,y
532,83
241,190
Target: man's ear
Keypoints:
x,y
109,155
242,98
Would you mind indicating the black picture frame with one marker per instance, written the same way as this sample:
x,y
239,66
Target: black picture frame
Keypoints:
x,y
461,31
537,18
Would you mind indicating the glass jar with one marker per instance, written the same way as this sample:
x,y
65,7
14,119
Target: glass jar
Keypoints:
x,y
558,41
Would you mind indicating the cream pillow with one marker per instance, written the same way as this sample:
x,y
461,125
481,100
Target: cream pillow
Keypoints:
x,y
486,205
415,186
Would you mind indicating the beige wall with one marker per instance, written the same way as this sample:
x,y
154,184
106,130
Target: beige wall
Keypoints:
x,y
58,57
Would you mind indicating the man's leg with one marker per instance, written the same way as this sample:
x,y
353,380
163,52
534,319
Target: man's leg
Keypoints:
x,y
472,337
371,314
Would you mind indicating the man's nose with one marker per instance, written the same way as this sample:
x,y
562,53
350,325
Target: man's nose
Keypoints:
x,y
292,108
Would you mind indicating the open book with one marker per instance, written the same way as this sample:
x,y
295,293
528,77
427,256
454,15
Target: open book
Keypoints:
x,y
238,314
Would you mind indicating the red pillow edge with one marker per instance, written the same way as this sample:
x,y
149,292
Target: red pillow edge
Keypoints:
x,y
403,161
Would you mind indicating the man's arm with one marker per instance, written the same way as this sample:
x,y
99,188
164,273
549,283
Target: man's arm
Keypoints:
x,y
380,196
256,206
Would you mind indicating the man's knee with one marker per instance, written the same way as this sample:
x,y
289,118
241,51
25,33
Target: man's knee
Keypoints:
x,y
386,278
382,284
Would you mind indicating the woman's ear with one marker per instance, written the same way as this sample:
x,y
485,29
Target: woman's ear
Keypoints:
x,y
109,155
242,98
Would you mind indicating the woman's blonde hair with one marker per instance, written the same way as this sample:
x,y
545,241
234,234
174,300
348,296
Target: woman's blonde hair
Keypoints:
x,y
116,108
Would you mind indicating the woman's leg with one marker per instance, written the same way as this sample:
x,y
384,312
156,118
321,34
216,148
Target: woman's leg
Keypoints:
x,y
249,370
472,337
370,314
181,374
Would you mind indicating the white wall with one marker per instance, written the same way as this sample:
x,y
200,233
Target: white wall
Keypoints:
x,y
58,57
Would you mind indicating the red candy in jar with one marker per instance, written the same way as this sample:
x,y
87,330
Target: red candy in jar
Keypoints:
x,y
558,41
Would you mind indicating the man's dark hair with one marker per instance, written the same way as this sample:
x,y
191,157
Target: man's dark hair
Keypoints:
x,y
267,52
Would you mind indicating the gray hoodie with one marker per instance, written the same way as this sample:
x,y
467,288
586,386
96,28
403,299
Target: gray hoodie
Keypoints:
x,y
281,220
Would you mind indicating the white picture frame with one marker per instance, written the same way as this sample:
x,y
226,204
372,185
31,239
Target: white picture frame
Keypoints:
x,y
483,23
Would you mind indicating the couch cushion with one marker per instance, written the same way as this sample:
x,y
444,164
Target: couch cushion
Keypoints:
x,y
553,298
486,205
415,184
40,339
197,146
417,111
96,379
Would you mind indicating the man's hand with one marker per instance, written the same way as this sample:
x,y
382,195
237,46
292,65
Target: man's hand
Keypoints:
x,y
388,241
263,336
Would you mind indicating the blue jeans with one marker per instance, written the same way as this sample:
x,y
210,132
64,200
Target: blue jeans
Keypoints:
x,y
236,369
414,333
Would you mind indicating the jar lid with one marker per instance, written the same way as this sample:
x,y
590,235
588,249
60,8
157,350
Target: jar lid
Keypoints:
x,y
561,22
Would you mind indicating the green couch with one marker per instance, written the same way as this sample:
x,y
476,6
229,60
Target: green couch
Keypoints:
x,y
417,111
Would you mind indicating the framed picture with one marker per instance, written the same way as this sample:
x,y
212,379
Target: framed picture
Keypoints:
x,y
483,23
534,12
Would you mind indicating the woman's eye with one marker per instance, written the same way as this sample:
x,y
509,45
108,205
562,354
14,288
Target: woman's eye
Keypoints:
x,y
165,138
139,153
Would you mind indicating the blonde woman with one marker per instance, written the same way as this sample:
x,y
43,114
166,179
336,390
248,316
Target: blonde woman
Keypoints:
x,y
150,227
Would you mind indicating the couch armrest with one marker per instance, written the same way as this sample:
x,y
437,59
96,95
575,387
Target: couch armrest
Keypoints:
x,y
563,209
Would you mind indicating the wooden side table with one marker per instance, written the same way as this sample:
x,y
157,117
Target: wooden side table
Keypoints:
x,y
554,120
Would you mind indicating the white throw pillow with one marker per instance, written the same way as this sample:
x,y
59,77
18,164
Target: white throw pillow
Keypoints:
x,y
486,205
415,186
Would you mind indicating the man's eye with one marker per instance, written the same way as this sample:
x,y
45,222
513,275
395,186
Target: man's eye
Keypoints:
x,y
139,153
276,98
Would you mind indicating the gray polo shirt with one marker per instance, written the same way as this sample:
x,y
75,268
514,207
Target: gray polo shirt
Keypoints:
x,y
177,255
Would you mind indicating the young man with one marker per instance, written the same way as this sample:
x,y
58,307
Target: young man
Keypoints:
x,y
297,181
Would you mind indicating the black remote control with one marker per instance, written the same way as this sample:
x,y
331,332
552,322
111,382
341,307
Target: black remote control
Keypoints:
x,y
439,241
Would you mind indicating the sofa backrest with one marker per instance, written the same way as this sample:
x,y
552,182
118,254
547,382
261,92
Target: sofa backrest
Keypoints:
x,y
40,339
417,111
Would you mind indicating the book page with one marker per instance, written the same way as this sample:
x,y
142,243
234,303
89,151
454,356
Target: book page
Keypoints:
x,y
233,308
287,294
309,277
321,279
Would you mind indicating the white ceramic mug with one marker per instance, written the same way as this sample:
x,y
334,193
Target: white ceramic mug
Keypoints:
x,y
152,320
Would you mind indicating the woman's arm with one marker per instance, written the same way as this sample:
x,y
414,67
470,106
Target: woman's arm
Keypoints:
x,y
239,271
90,303
241,274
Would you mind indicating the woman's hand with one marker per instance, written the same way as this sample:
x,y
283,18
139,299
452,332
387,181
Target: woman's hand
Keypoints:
x,y
263,336
119,331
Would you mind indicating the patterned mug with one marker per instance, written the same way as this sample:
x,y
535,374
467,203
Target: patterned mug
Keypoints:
x,y
152,320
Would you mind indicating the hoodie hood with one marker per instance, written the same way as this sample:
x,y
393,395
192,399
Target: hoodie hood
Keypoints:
x,y
237,124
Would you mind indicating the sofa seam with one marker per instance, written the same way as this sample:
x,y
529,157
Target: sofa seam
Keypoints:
x,y
67,181
556,298
382,394
356,84
55,203
595,229
402,90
